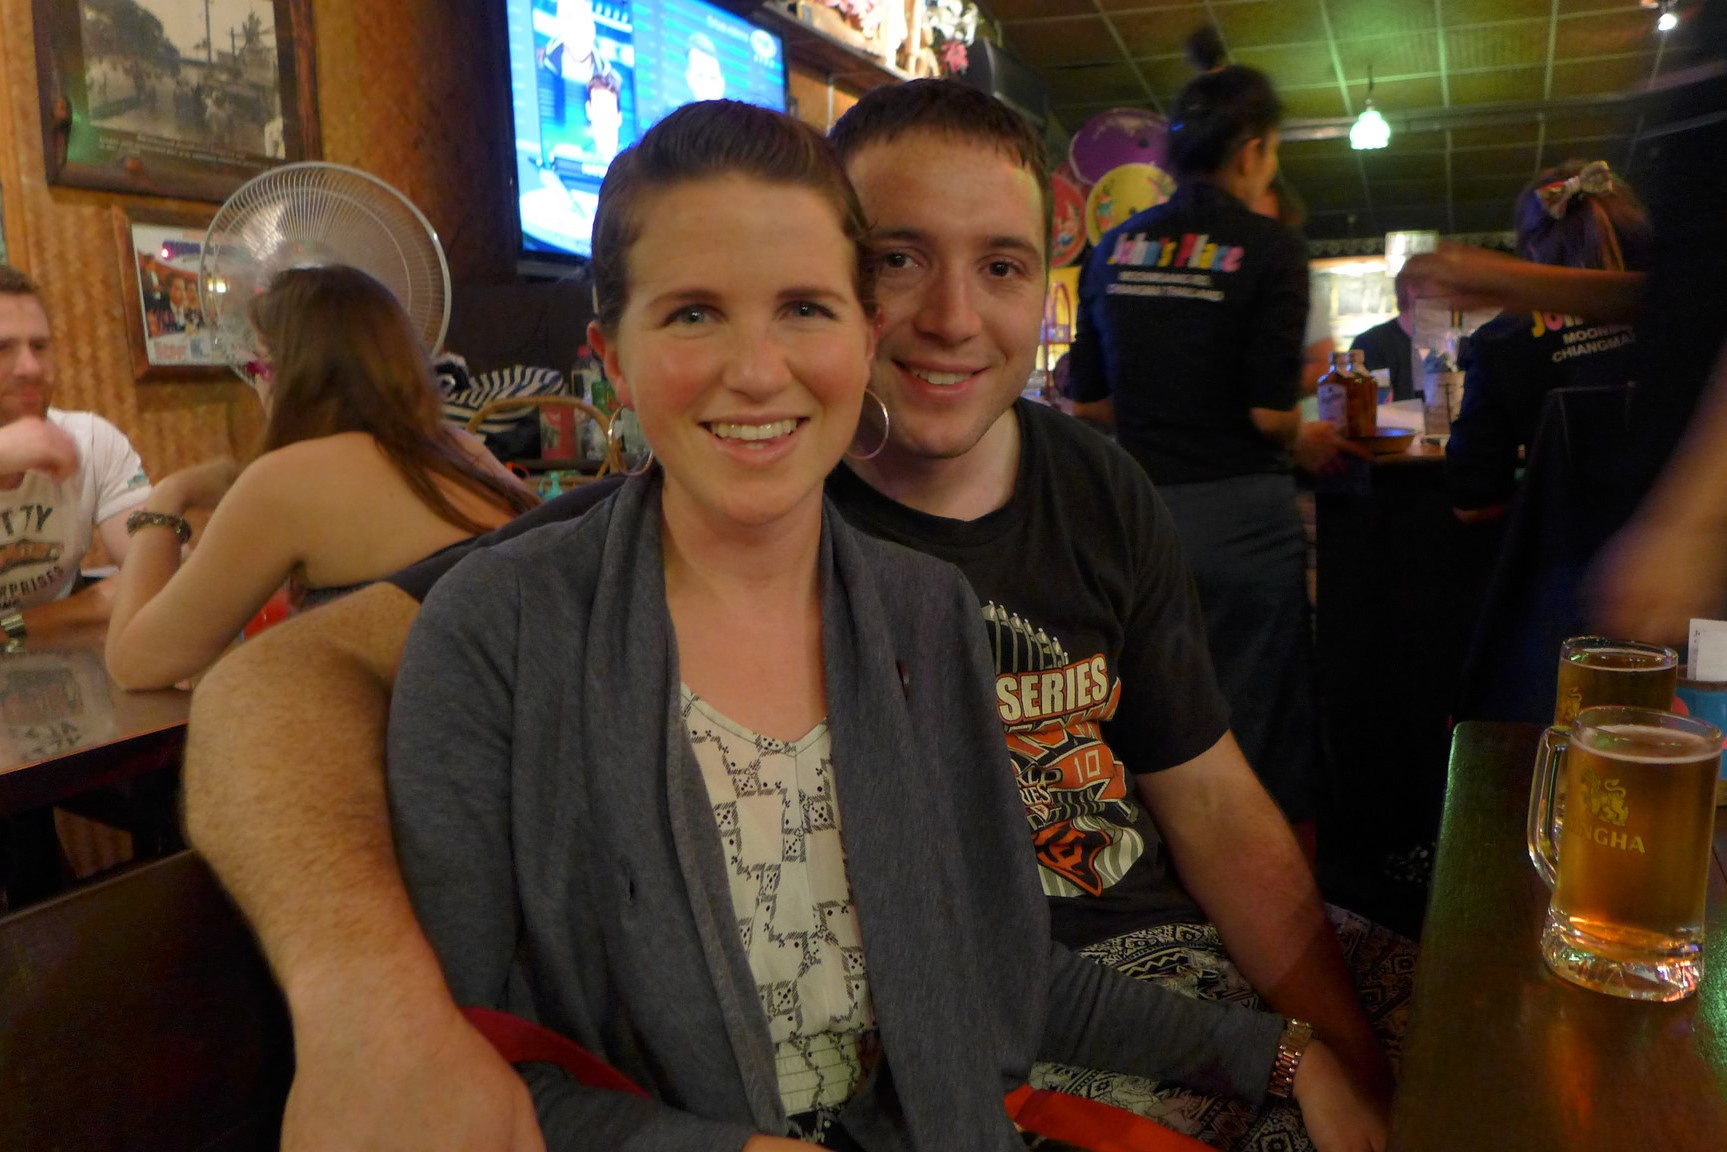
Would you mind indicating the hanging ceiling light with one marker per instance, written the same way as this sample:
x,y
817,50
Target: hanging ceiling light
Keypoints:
x,y
1668,20
1370,129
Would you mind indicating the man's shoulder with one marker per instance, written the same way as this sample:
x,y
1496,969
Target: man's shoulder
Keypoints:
x,y
87,424
913,586
1073,457
1378,334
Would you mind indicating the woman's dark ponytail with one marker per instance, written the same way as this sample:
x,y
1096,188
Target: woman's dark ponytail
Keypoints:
x,y
1215,115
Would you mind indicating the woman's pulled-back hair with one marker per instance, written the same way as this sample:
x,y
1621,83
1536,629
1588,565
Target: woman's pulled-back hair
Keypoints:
x,y
1582,215
1215,115
702,141
345,358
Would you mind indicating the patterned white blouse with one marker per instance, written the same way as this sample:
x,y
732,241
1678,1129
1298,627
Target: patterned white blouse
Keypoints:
x,y
779,824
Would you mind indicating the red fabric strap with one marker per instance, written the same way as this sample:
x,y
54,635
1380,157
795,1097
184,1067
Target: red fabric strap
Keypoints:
x,y
1092,1124
1089,1124
520,1041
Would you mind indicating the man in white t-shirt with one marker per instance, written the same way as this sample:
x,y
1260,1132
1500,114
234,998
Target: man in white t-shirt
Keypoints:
x,y
63,477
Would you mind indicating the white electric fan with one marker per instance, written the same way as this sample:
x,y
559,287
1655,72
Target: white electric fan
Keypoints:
x,y
311,214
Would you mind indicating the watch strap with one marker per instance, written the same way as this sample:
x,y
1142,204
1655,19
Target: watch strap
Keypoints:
x,y
1291,1046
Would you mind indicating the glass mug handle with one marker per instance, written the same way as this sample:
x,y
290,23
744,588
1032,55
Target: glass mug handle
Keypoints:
x,y
1549,762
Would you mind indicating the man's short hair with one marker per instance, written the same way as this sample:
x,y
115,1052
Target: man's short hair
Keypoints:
x,y
16,283
949,108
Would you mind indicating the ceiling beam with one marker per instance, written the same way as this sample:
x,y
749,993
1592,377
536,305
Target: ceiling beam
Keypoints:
x,y
1479,115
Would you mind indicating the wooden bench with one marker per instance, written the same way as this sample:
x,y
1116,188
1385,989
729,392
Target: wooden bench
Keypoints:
x,y
138,1015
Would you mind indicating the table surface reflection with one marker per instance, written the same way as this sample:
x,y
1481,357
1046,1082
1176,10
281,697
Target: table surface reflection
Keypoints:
x,y
1502,1054
65,727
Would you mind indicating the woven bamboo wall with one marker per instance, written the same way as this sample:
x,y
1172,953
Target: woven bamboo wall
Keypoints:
x,y
406,90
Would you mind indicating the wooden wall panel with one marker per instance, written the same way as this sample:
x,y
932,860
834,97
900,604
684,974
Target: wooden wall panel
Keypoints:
x,y
415,92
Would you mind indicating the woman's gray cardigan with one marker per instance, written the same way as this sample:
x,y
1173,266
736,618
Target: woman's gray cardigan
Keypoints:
x,y
560,850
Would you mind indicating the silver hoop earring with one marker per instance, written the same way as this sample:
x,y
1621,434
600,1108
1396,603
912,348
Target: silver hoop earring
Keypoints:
x,y
615,443
886,427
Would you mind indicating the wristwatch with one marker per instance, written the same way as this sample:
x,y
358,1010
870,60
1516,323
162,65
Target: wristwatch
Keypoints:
x,y
1290,1047
13,625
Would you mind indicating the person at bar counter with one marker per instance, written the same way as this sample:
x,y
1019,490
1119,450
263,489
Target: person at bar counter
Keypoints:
x,y
65,477
1012,492
1190,325
1577,216
357,477
1387,345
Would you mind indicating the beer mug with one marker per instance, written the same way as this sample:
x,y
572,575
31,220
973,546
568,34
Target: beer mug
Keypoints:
x,y
1595,670
1631,872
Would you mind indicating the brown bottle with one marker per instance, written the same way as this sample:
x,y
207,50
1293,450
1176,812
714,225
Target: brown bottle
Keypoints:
x,y
1333,394
1363,397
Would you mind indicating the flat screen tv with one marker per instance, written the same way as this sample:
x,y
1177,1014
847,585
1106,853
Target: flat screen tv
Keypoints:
x,y
588,77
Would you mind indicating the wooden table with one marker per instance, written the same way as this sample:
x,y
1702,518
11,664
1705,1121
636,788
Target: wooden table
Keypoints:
x,y
1503,1055
66,728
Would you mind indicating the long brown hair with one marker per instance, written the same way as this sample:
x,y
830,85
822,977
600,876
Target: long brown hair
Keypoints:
x,y
346,359
1605,227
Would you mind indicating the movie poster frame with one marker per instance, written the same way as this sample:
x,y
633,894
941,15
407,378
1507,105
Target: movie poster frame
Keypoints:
x,y
72,147
127,220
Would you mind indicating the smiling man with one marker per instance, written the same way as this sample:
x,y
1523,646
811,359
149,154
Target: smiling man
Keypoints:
x,y
64,476
1110,712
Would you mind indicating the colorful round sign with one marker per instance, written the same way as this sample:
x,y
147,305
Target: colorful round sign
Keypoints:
x,y
1066,172
1116,137
1067,231
1123,192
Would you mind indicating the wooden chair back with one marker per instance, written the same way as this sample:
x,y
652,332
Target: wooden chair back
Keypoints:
x,y
139,1014
611,463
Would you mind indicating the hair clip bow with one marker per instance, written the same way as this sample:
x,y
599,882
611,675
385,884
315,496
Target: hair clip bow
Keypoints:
x,y
1593,179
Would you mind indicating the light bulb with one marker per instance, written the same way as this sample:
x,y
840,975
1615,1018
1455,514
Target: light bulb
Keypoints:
x,y
1370,130
1667,22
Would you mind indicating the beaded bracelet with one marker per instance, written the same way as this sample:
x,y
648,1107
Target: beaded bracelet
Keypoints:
x,y
143,518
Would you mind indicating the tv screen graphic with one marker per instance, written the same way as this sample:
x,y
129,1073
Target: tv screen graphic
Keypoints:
x,y
693,51
588,77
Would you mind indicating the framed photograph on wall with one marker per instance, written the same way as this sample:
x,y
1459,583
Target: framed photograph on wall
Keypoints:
x,y
159,253
181,98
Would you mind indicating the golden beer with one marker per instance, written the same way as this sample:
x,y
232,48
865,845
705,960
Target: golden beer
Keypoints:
x,y
1596,670
1631,877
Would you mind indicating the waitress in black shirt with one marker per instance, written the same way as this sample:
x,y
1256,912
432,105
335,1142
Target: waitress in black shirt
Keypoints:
x,y
1191,322
1576,216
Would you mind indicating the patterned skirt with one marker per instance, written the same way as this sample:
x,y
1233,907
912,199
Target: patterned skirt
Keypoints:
x,y
1190,959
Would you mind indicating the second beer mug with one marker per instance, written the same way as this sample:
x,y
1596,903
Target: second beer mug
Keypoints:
x,y
1630,873
1596,670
